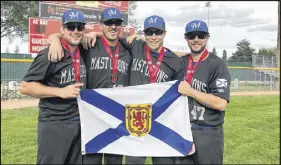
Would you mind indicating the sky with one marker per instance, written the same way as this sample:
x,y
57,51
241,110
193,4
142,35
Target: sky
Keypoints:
x,y
229,23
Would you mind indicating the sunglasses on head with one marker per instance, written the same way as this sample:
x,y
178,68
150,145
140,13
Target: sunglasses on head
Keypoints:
x,y
192,35
111,22
151,32
73,26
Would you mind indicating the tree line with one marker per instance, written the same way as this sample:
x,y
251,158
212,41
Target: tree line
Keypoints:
x,y
245,50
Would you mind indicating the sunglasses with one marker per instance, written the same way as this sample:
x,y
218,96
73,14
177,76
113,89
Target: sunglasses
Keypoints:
x,y
200,35
151,32
111,22
73,26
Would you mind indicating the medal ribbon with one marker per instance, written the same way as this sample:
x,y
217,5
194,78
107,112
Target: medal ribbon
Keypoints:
x,y
190,70
114,59
75,59
153,71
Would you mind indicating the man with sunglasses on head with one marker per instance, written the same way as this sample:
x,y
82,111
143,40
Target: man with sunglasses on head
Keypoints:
x,y
207,85
107,64
57,85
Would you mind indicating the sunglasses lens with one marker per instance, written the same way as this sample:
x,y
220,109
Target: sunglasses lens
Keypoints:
x,y
70,27
148,33
110,23
107,23
202,35
117,23
157,32
191,36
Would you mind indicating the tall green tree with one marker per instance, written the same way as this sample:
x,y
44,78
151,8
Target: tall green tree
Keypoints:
x,y
14,18
224,55
132,21
7,50
17,49
244,50
268,51
214,51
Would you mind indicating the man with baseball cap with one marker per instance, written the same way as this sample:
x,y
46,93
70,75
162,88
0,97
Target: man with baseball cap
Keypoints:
x,y
57,85
153,63
107,65
207,85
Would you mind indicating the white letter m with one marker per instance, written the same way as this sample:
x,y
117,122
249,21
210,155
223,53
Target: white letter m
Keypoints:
x,y
195,26
73,15
112,12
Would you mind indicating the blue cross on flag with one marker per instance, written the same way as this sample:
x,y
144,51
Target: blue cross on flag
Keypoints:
x,y
145,120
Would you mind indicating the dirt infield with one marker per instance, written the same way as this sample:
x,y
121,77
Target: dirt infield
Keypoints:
x,y
15,104
23,103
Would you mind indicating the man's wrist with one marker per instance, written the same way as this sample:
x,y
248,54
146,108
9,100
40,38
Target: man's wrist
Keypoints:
x,y
193,93
57,92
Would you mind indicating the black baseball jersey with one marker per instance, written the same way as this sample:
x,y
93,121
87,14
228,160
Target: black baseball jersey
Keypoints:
x,y
171,68
99,67
58,74
211,76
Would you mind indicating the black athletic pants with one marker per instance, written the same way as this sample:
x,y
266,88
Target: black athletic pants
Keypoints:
x,y
209,146
59,142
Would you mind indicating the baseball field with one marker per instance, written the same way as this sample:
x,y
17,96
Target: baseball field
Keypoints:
x,y
252,127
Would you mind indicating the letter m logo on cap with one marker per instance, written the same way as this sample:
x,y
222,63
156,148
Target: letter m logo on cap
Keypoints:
x,y
152,20
112,12
73,15
195,25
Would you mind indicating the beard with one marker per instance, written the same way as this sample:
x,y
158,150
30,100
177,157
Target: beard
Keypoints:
x,y
197,51
110,39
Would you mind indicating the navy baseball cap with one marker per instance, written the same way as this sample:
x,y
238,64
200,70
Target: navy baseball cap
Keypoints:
x,y
111,13
196,25
154,21
73,15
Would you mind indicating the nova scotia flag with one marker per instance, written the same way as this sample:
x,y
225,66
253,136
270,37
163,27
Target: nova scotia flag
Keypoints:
x,y
145,120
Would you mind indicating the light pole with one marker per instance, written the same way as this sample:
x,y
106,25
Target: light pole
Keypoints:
x,y
208,5
278,47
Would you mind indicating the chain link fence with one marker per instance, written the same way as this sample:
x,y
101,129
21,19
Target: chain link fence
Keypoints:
x,y
260,74
13,68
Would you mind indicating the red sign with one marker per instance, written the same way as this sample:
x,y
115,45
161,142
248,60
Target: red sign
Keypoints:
x,y
40,29
120,5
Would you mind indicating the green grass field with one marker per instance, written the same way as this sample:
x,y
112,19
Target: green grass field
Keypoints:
x,y
252,126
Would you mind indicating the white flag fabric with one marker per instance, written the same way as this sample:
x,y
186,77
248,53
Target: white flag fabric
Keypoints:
x,y
145,120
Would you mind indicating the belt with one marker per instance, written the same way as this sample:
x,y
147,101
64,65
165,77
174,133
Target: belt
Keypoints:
x,y
207,127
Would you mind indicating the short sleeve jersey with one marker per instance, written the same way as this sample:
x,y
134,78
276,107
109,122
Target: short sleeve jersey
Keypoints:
x,y
59,75
99,67
211,76
171,68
